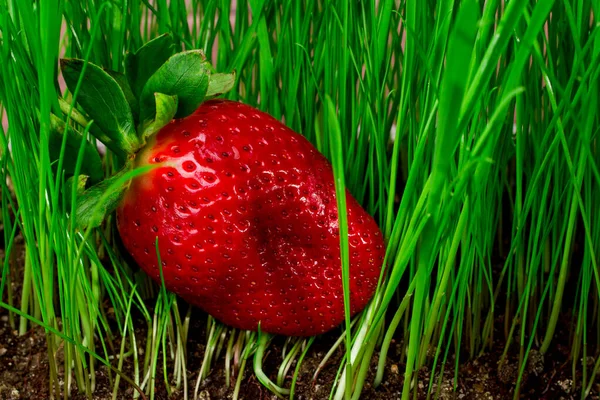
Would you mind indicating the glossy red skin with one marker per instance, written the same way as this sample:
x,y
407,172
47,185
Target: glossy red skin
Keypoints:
x,y
246,218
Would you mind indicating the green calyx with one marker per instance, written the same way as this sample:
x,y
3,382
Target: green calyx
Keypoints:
x,y
124,111
124,106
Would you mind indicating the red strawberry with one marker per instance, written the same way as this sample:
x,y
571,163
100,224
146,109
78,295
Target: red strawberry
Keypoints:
x,y
246,218
244,209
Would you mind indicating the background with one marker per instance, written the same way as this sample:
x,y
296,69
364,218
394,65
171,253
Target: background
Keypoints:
x,y
469,129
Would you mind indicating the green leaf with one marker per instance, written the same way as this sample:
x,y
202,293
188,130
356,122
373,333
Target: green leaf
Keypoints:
x,y
166,107
121,79
97,202
219,84
103,100
94,204
142,64
92,164
80,184
77,117
79,187
184,75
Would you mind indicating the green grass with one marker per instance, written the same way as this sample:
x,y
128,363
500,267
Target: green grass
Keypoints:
x,y
487,192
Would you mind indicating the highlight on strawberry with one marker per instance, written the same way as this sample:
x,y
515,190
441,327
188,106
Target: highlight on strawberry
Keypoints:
x,y
232,210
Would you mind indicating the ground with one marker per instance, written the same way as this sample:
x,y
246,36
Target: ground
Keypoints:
x,y
24,373
24,369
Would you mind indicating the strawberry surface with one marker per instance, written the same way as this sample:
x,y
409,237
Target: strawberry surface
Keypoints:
x,y
246,218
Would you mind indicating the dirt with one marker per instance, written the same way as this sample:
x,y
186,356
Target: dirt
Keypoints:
x,y
24,373
24,369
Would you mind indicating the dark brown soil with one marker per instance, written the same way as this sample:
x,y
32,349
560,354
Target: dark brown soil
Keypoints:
x,y
24,373
24,370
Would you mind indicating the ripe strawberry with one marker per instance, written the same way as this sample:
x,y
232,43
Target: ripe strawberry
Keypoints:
x,y
243,208
246,218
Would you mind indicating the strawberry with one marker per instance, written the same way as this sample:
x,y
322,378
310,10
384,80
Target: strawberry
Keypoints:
x,y
243,209
245,214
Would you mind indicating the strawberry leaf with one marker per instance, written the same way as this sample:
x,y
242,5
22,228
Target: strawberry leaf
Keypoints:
x,y
80,119
100,200
121,79
77,185
219,84
103,100
166,107
184,75
143,63
92,165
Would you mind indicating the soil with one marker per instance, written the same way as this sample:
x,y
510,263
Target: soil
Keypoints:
x,y
24,373
24,370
